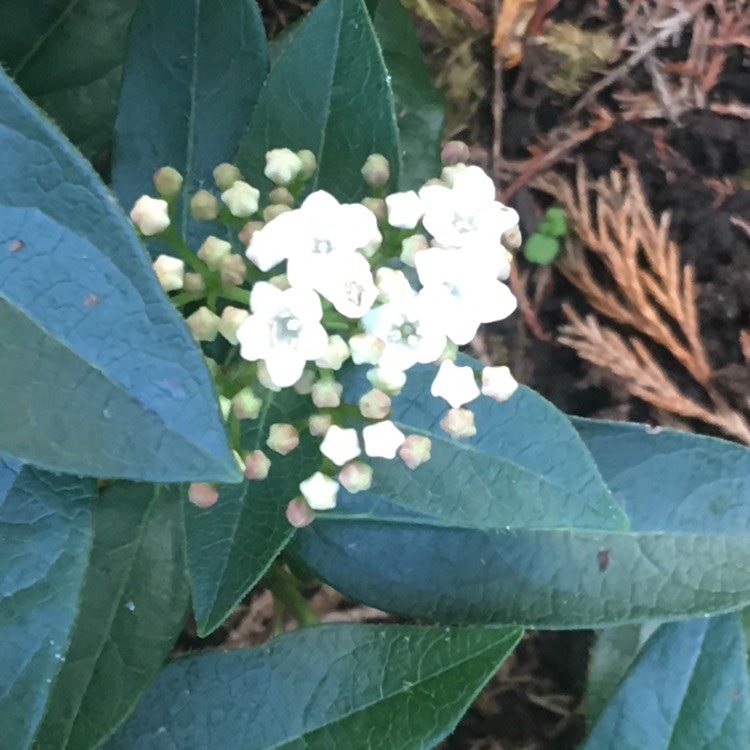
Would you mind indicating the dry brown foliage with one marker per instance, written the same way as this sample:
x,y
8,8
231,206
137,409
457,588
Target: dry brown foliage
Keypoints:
x,y
623,262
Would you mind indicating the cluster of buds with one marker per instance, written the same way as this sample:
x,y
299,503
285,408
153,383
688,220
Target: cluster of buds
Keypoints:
x,y
385,284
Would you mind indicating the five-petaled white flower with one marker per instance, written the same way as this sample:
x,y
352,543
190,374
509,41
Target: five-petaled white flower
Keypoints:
x,y
455,384
345,280
284,331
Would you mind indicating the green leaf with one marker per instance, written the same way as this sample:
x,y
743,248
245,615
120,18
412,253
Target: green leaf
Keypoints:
x,y
134,601
232,544
328,92
44,543
388,687
106,380
418,105
192,76
557,221
687,690
688,552
539,248
67,56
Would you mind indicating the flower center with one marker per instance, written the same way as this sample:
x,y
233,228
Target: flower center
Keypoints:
x,y
285,328
322,246
405,331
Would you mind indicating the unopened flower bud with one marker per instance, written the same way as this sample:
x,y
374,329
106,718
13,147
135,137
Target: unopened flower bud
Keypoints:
x,y
320,491
449,174
415,450
168,182
246,405
232,270
213,251
377,206
231,320
274,210
241,199
337,352
459,423
309,163
305,383
356,477
225,406
392,285
365,348
204,206
390,381
202,494
455,384
454,152
405,210
150,215
340,445
498,383
299,514
170,273
248,230
225,175
326,393
212,366
375,404
203,324
282,166
257,465
280,281
194,282
376,170
382,440
282,438
512,238
319,424
411,246
281,196
264,377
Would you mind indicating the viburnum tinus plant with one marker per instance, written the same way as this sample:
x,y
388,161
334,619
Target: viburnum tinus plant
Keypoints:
x,y
236,363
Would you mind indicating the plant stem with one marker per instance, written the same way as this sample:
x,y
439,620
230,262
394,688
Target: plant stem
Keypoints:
x,y
284,587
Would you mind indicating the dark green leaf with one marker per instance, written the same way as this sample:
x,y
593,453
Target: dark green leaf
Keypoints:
x,y
67,56
687,690
337,686
328,92
106,380
44,544
232,544
687,554
132,609
418,105
192,77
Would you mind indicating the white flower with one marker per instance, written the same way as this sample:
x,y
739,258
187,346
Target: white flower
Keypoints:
x,y
284,331
150,215
337,352
241,199
320,491
347,283
462,291
340,445
408,331
404,209
383,439
498,383
170,272
455,384
282,166
455,215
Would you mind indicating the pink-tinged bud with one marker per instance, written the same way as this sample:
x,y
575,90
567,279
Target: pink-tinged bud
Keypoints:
x,y
248,230
454,152
257,465
319,424
241,199
194,282
282,438
459,423
356,477
377,206
282,166
225,175
365,349
326,393
416,449
274,210
202,494
320,491
498,383
455,384
390,381
392,285
150,215
309,163
168,182
246,405
213,251
299,513
264,378
305,383
449,174
170,273
280,281
281,196
225,405
204,206
203,324
376,170
340,445
232,270
337,352
231,320
411,246
382,440
375,405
